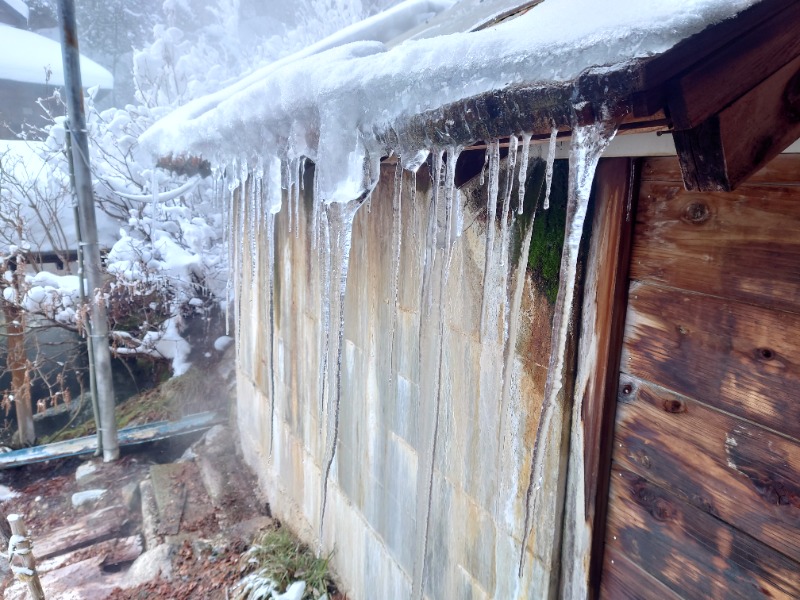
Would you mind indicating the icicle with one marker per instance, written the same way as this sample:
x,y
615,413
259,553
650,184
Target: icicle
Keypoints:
x,y
253,222
505,225
259,180
342,215
286,184
302,173
588,143
226,238
240,245
296,196
432,233
523,171
413,200
325,308
316,212
514,316
551,157
270,236
444,229
486,154
397,240
493,153
452,231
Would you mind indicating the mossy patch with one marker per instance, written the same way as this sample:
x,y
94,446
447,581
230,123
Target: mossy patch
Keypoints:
x,y
547,239
544,258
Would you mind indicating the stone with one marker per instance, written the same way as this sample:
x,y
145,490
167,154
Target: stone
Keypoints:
x,y
149,515
129,494
150,565
87,496
86,472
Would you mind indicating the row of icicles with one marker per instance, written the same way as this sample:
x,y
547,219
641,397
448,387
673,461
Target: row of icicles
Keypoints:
x,y
264,183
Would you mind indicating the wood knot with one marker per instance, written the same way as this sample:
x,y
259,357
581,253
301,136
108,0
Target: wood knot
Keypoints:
x,y
674,406
696,213
661,510
765,354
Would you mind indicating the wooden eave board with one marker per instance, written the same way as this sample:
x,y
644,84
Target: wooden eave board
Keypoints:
x,y
691,53
130,436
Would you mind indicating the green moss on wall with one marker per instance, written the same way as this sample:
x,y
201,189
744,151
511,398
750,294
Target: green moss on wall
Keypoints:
x,y
544,258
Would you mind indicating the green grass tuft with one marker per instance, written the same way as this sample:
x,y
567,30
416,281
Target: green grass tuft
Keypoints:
x,y
278,556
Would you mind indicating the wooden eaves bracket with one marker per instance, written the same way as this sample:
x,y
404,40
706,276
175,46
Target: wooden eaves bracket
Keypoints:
x,y
735,111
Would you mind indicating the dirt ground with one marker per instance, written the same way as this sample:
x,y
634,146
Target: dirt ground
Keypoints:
x,y
188,504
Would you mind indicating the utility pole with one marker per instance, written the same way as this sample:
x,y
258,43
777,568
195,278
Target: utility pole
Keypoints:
x,y
88,228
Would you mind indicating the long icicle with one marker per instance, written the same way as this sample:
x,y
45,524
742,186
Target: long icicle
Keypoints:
x,y
505,225
523,170
491,213
397,240
444,232
588,143
325,308
341,237
551,158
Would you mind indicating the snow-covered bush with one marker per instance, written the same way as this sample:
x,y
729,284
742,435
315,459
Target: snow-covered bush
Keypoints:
x,y
166,261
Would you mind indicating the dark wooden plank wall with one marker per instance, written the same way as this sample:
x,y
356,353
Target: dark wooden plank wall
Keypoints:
x,y
704,499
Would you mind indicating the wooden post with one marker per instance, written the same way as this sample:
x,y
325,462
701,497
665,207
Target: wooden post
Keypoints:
x,y
20,547
17,361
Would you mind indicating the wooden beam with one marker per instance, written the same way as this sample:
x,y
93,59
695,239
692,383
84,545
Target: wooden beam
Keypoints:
x,y
602,328
693,51
735,70
723,151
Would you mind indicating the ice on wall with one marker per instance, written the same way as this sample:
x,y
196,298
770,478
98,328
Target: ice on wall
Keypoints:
x,y
587,145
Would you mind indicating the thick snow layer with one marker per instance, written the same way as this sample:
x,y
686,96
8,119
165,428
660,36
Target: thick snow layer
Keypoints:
x,y
28,57
465,15
328,105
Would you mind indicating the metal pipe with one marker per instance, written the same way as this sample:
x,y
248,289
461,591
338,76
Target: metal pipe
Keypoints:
x,y
88,224
82,295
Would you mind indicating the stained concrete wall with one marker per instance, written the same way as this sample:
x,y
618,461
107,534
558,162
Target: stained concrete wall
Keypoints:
x,y
391,523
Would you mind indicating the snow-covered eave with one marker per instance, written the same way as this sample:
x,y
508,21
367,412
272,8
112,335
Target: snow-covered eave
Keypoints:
x,y
605,93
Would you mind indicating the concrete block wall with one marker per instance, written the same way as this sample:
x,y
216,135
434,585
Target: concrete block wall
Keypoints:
x,y
463,539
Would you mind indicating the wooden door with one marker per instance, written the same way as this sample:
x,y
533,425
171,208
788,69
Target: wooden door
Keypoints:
x,y
704,496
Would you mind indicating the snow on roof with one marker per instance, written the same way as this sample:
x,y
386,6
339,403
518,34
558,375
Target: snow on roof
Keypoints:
x,y
25,56
465,15
328,106
18,6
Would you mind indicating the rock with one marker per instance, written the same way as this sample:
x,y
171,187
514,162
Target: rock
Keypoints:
x,y
188,455
81,498
6,493
149,515
130,496
218,440
150,565
86,472
222,343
